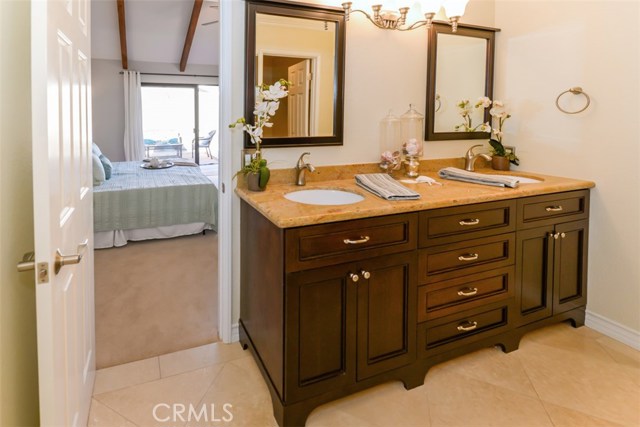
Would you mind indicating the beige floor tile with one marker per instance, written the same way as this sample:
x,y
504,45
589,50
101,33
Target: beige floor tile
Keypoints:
x,y
621,353
337,418
457,400
583,382
102,416
137,403
493,366
199,357
385,405
126,375
241,387
564,417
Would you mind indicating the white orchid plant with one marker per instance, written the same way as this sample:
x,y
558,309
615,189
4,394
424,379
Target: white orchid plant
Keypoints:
x,y
267,103
499,115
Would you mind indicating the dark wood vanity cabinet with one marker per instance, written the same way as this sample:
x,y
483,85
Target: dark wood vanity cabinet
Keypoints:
x,y
335,308
551,273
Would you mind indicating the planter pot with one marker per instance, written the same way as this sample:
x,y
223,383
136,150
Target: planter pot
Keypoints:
x,y
500,163
257,181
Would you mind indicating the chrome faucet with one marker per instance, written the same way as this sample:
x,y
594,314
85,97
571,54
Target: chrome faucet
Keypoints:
x,y
301,167
470,158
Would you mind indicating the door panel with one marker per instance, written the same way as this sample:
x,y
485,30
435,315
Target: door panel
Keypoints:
x,y
534,275
320,331
570,271
386,314
63,207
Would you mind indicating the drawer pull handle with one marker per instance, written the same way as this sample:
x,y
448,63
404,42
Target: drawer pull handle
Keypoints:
x,y
467,326
354,277
468,257
361,240
468,292
365,274
474,221
553,208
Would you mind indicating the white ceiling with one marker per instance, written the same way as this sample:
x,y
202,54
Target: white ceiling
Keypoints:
x,y
156,30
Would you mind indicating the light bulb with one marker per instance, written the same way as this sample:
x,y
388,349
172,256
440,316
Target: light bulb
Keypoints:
x,y
455,7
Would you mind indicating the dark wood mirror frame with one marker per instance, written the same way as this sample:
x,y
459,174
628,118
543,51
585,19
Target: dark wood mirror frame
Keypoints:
x,y
306,11
486,33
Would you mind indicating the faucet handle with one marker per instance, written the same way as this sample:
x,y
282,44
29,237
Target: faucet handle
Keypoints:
x,y
470,150
301,158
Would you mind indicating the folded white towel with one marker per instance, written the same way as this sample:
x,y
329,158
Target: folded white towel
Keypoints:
x,y
478,178
382,185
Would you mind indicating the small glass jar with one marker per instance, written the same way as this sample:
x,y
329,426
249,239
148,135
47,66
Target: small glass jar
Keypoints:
x,y
412,132
390,143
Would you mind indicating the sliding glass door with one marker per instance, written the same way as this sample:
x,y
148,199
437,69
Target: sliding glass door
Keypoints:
x,y
181,121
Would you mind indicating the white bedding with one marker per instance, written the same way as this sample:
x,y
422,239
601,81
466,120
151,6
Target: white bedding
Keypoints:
x,y
117,238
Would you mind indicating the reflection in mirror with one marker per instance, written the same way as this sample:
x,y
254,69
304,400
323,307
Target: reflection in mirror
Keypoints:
x,y
304,45
460,67
303,52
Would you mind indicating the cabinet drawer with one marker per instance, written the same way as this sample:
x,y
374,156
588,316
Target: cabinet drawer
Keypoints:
x,y
328,244
550,209
459,259
452,296
461,329
448,225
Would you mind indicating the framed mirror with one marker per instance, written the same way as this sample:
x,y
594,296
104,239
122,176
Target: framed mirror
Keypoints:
x,y
460,66
305,45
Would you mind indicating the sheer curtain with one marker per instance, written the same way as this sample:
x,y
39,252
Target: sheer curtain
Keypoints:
x,y
133,140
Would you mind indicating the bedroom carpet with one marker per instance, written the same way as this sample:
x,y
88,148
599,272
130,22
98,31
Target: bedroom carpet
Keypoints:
x,y
155,297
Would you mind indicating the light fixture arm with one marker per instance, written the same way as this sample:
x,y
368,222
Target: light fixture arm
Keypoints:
x,y
395,21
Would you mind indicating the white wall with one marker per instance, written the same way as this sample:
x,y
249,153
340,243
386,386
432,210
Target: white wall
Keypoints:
x,y
546,47
108,96
18,352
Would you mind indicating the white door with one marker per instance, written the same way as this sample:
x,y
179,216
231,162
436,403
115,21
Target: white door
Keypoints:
x,y
63,211
298,113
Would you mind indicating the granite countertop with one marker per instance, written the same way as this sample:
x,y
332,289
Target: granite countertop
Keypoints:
x,y
286,214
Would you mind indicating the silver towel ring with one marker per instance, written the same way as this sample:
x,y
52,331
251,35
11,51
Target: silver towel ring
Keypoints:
x,y
575,91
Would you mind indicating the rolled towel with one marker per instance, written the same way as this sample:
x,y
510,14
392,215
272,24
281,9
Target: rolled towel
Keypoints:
x,y
478,178
382,185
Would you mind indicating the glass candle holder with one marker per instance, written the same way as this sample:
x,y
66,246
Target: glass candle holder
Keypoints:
x,y
390,143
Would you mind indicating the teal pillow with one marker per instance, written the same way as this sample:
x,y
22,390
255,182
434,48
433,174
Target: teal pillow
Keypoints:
x,y
106,164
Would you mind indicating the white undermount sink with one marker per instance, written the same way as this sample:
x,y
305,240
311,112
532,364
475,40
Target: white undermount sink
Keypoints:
x,y
324,197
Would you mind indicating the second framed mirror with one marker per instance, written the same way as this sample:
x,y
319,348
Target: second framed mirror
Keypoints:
x,y
304,45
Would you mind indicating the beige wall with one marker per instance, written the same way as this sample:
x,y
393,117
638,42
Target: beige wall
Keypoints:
x,y
539,58
18,355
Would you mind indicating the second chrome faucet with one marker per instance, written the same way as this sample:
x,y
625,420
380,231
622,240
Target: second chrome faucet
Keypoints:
x,y
300,168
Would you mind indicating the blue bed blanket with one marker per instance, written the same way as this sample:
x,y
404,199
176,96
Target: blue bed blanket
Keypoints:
x,y
143,198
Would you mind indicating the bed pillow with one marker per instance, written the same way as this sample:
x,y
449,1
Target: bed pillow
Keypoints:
x,y
106,164
96,150
98,171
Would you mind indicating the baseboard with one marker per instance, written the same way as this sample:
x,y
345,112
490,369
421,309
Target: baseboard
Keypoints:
x,y
235,333
613,329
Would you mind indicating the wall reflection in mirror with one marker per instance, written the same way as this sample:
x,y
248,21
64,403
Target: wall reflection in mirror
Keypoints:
x,y
303,52
460,68
303,44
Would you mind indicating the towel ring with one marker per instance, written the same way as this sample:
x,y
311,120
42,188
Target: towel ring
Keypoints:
x,y
575,91
438,103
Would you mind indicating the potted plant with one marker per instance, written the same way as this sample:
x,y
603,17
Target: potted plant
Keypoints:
x,y
267,103
501,157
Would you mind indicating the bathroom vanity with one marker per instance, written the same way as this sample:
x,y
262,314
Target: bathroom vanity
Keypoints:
x,y
335,299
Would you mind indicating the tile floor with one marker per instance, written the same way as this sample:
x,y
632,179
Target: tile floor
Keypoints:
x,y
560,376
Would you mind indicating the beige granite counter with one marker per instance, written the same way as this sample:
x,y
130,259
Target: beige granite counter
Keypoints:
x,y
285,213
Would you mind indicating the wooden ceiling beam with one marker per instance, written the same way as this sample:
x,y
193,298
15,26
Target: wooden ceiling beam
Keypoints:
x,y
195,14
123,34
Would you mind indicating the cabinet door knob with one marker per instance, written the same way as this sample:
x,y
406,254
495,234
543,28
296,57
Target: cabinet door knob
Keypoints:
x,y
563,235
468,257
467,326
365,274
557,208
555,236
474,221
468,292
361,240
354,277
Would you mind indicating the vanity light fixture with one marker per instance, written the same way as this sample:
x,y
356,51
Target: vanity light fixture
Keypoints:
x,y
391,20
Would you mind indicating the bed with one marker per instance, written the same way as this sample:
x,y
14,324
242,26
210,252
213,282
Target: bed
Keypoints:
x,y
141,204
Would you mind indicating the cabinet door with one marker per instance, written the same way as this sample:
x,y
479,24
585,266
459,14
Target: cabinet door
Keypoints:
x,y
570,266
534,274
387,303
320,332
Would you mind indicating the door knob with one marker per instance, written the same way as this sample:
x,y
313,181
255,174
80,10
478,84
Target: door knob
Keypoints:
x,y
28,262
62,260
354,277
365,274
